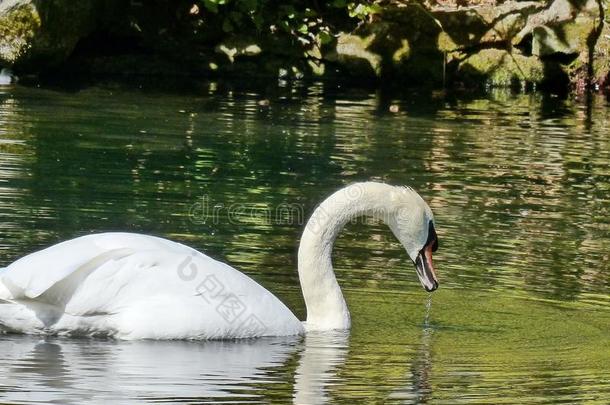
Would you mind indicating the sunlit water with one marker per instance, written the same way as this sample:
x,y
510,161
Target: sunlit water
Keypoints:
x,y
519,184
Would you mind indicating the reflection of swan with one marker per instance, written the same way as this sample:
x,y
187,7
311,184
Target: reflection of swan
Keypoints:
x,y
72,371
136,286
324,353
75,371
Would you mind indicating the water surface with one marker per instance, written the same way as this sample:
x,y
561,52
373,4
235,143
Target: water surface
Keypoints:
x,y
520,188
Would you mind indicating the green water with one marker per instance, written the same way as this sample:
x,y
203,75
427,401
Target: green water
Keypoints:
x,y
520,189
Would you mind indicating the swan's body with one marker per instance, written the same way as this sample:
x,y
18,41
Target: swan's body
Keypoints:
x,y
133,286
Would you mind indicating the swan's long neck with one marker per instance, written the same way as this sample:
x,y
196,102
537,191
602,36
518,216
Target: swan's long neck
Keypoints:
x,y
326,307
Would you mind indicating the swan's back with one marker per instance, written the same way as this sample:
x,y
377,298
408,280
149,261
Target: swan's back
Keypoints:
x,y
35,273
136,286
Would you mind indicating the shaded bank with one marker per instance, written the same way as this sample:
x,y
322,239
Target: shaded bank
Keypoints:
x,y
514,43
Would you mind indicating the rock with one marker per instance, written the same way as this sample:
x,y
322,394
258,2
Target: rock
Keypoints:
x,y
43,32
563,28
501,68
601,59
400,45
547,41
19,23
473,26
555,13
351,51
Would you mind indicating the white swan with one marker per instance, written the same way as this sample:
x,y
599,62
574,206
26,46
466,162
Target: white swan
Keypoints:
x,y
133,286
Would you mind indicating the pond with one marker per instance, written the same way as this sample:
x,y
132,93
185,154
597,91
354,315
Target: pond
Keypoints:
x,y
519,185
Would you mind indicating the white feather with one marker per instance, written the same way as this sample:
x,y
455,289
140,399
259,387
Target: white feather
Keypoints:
x,y
130,286
133,286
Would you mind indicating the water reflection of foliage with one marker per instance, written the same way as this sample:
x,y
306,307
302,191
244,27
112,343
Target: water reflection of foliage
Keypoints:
x,y
526,193
519,186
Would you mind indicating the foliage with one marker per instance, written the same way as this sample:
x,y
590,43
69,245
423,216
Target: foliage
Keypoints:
x,y
307,21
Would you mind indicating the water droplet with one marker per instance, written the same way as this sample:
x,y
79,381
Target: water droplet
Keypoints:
x,y
428,308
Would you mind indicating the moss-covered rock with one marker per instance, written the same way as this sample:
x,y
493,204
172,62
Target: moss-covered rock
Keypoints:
x,y
567,31
43,33
352,53
601,59
515,41
19,23
470,27
501,68
399,45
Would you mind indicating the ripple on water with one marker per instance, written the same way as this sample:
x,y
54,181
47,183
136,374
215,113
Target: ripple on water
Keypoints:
x,y
519,185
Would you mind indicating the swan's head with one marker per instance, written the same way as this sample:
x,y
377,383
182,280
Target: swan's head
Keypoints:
x,y
412,222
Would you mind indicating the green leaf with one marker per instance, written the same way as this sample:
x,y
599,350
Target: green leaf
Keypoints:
x,y
363,10
357,10
374,9
325,37
211,5
303,29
